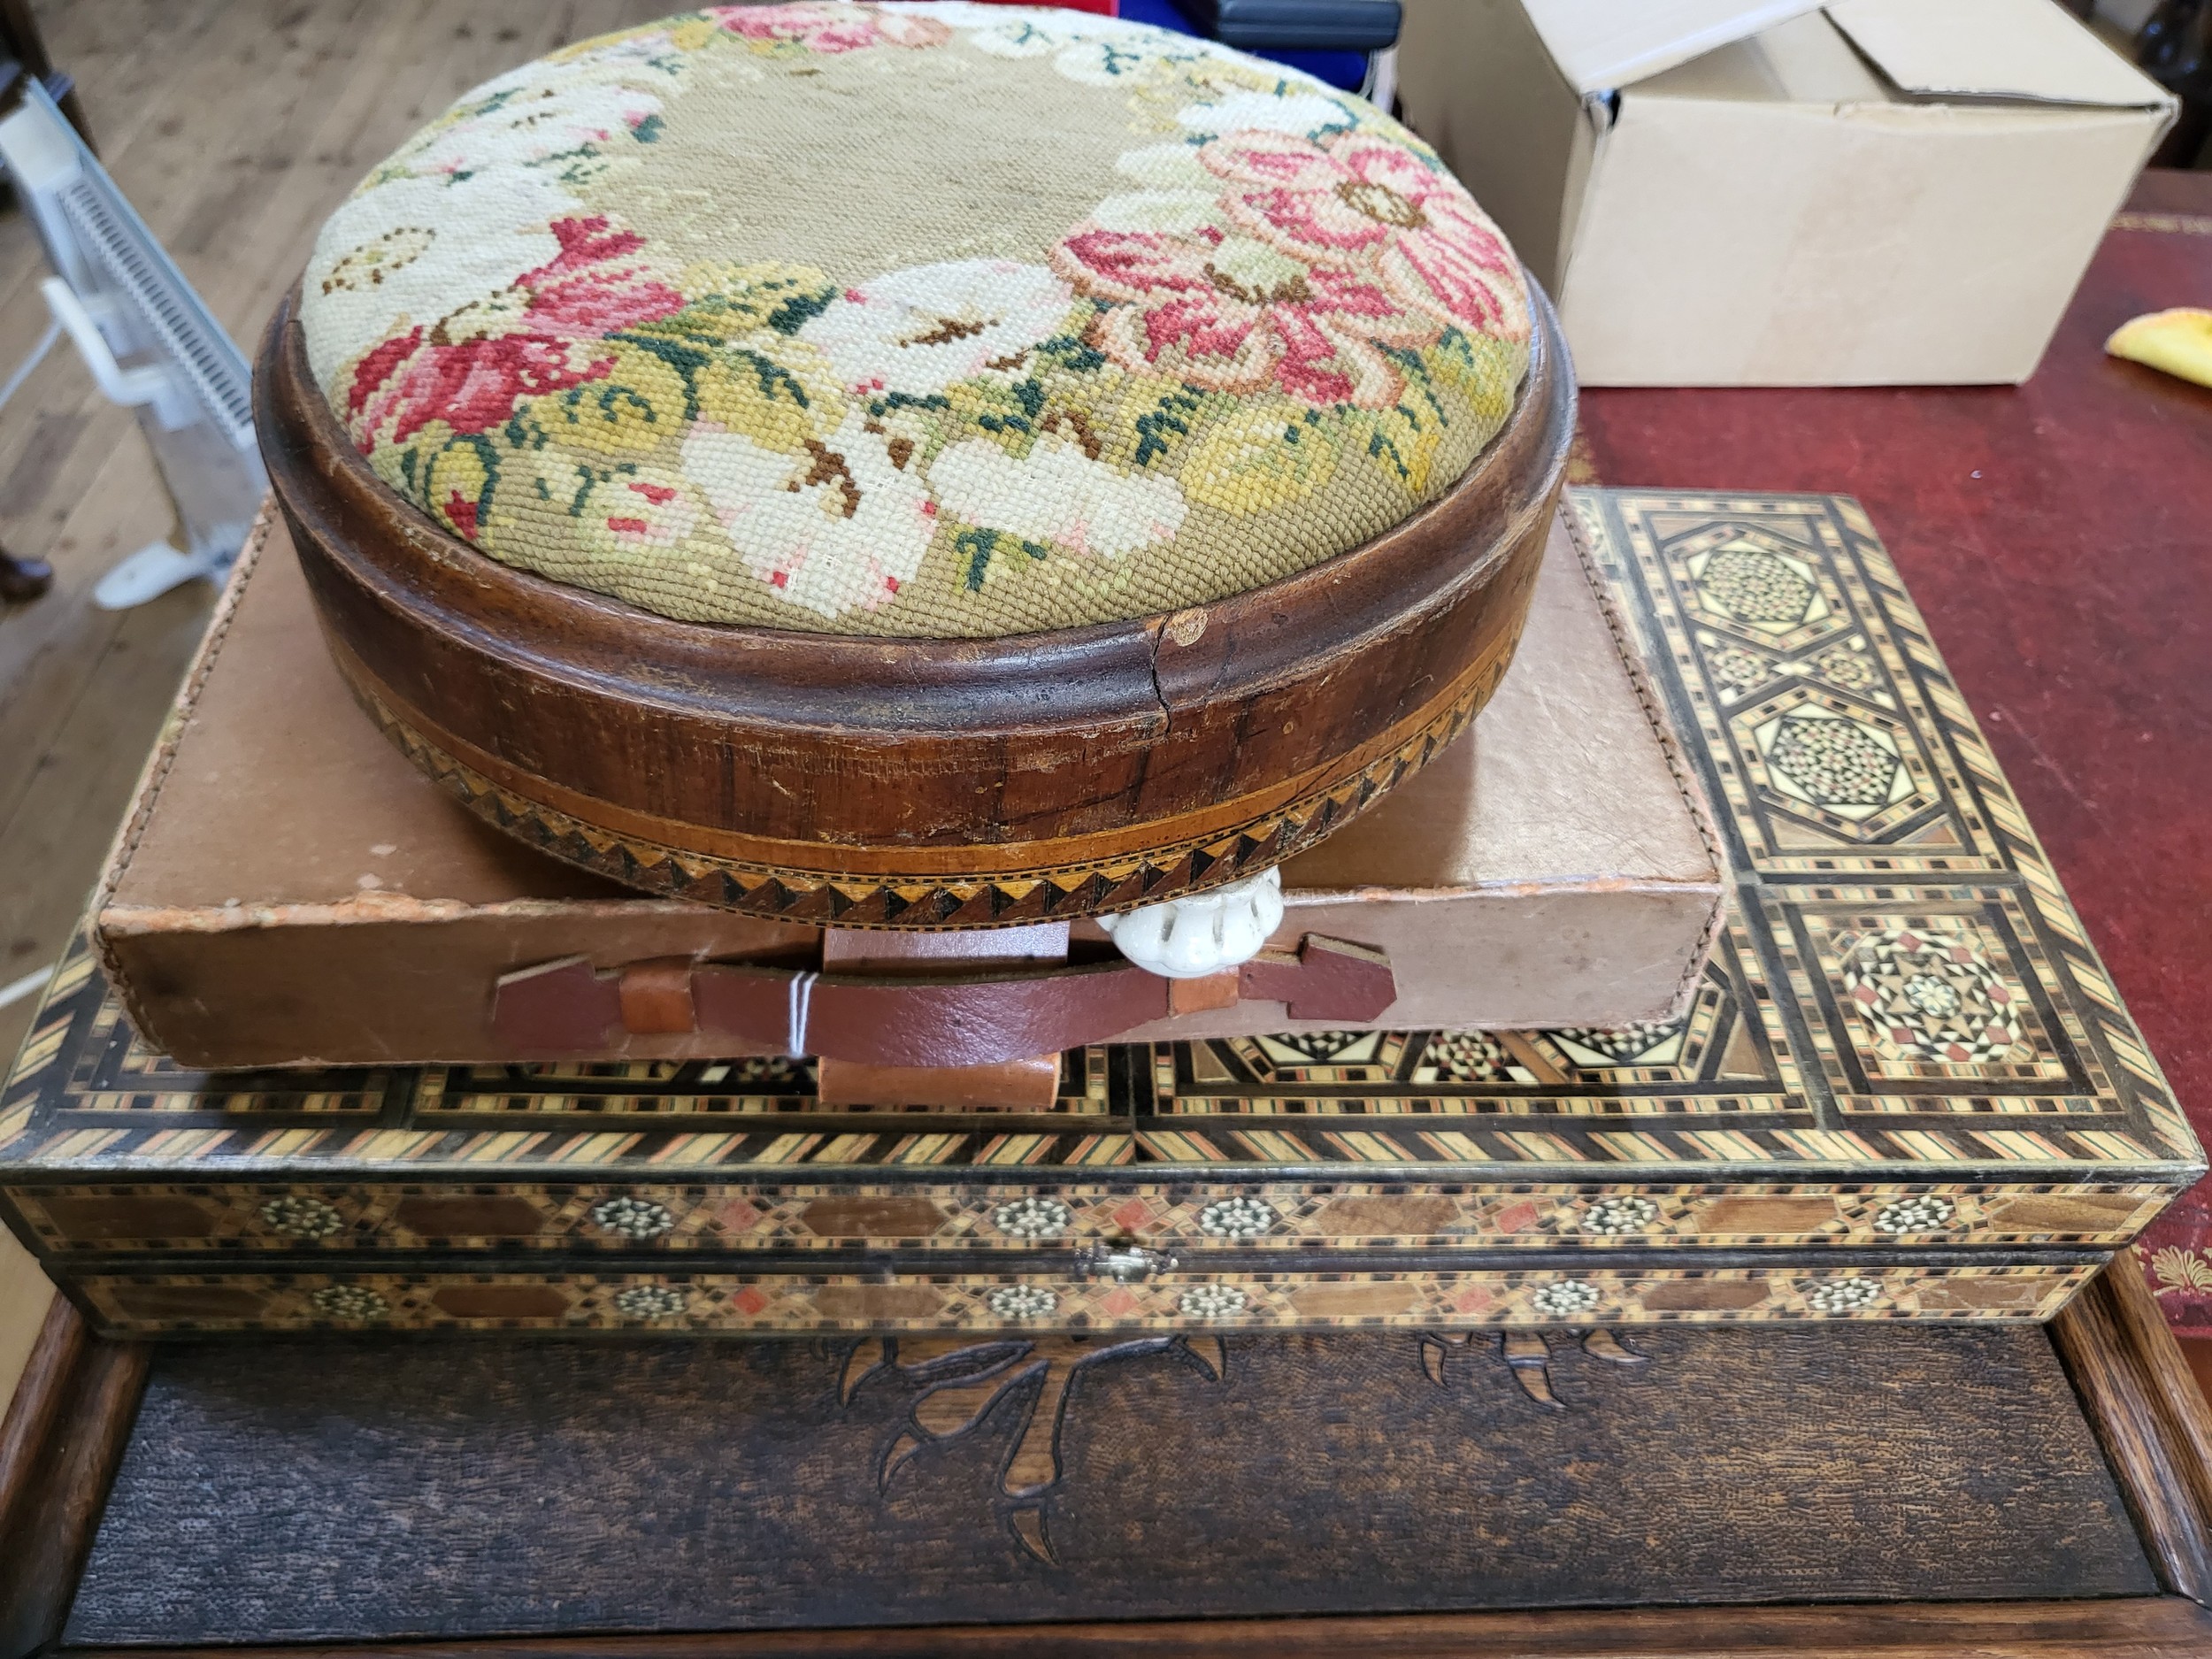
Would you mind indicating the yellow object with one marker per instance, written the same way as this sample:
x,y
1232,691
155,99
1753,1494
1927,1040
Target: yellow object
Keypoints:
x,y
2178,341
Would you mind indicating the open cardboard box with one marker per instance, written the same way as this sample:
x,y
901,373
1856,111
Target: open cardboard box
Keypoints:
x,y
1717,193
289,890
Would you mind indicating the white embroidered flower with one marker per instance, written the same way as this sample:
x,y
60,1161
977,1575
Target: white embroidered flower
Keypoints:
x,y
632,52
1094,51
919,330
402,250
1103,62
1058,494
960,14
530,120
1172,167
1023,34
1307,114
839,527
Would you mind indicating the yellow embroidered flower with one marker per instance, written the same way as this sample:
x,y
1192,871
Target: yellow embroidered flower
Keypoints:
x,y
636,406
778,397
1262,457
457,482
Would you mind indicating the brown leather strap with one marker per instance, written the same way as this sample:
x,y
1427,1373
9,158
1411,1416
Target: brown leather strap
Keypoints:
x,y
569,1007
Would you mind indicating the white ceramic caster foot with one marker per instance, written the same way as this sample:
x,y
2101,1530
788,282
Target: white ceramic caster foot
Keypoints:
x,y
1202,933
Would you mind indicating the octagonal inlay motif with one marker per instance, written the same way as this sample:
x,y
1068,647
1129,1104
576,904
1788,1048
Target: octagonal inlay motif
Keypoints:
x,y
1764,590
1833,761
1754,585
1849,769
1931,995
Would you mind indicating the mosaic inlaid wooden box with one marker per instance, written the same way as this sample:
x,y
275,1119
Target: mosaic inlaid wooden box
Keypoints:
x,y
1904,1088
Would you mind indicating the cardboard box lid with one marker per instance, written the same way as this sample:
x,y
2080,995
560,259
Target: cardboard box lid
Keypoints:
x,y
2017,50
2020,50
1602,44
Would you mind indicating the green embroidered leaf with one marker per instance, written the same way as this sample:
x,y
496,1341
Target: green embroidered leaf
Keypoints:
x,y
882,406
460,480
1072,352
793,313
1168,420
979,546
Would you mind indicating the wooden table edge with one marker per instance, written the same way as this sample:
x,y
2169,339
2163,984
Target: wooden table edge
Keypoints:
x,y
2144,1627
64,1436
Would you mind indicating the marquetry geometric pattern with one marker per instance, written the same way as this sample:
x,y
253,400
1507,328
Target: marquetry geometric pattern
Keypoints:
x,y
794,1303
1900,981
115,1219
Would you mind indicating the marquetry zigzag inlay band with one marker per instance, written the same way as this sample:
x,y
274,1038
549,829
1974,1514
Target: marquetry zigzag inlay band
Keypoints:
x,y
1120,881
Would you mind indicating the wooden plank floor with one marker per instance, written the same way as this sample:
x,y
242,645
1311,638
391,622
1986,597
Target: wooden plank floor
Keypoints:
x,y
235,127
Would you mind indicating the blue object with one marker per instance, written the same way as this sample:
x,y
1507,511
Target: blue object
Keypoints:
x,y
1345,70
1301,26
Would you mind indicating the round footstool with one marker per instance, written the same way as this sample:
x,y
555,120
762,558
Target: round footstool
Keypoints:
x,y
917,465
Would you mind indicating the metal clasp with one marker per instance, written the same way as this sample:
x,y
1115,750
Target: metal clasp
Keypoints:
x,y
1124,1264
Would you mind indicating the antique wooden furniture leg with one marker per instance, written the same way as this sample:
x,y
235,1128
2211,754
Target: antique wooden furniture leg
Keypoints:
x,y
2153,1419
1026,1085
60,1443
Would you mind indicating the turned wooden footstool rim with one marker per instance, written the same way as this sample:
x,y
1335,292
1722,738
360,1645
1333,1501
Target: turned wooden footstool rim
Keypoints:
x,y
1157,755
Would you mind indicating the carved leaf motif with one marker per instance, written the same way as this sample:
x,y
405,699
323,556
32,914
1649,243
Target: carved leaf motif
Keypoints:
x,y
958,1382
2181,1270
1527,1355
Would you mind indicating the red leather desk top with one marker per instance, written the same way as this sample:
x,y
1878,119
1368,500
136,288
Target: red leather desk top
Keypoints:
x,y
2058,536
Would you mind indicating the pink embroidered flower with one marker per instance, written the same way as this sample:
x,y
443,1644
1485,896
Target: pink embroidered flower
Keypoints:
x,y
535,337
828,29
405,384
591,288
1232,315
1368,202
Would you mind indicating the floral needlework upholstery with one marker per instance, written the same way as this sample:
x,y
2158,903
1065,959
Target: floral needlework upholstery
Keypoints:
x,y
924,319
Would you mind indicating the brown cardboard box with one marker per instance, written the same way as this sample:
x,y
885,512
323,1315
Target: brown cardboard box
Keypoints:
x,y
1719,192
289,890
